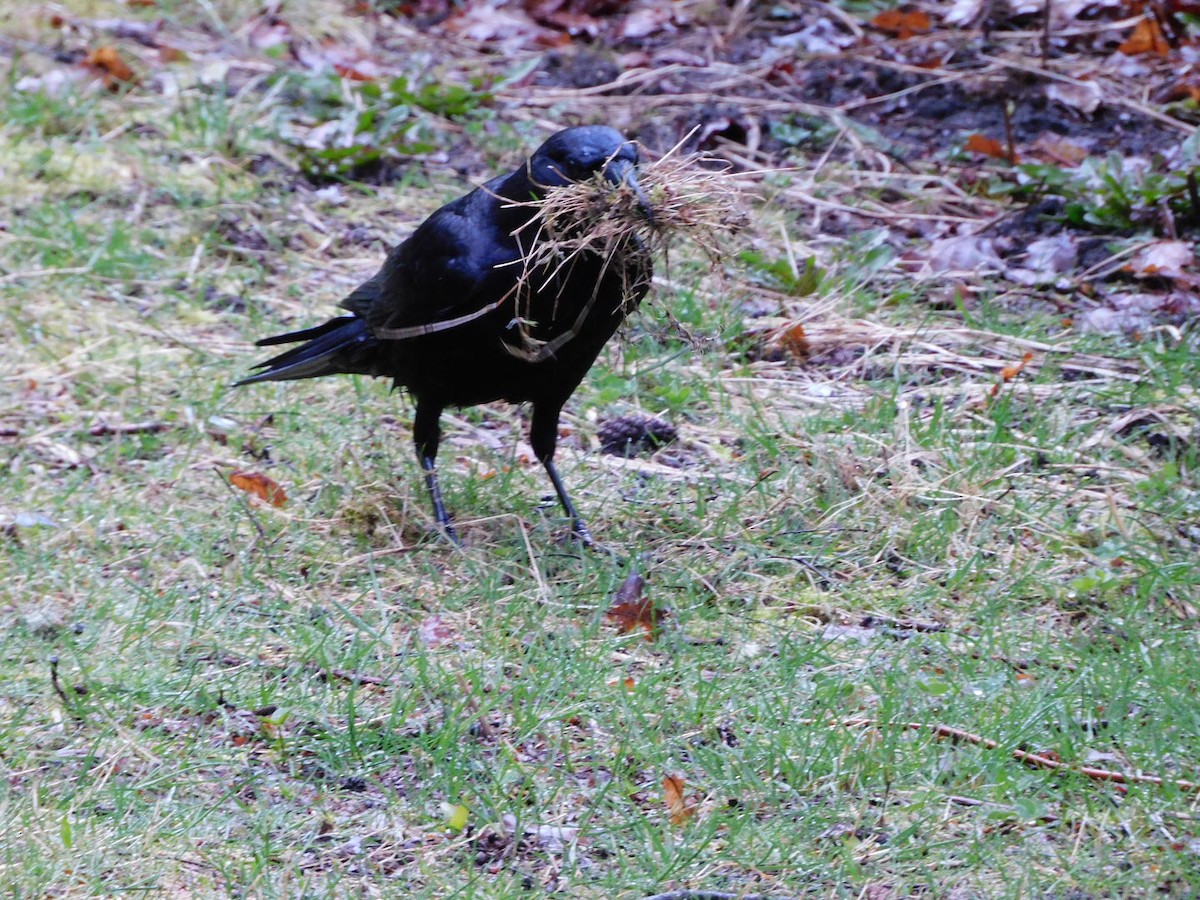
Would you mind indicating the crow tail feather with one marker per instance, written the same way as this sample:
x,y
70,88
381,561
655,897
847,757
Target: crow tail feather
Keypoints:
x,y
341,346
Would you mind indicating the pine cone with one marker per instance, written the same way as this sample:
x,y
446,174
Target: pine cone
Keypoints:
x,y
630,435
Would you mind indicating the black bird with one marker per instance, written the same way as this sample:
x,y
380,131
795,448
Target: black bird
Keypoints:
x,y
455,317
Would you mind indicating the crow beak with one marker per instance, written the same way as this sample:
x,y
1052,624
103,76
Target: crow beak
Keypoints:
x,y
621,172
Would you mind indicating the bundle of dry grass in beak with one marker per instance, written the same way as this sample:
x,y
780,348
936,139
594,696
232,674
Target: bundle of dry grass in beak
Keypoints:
x,y
674,198
677,199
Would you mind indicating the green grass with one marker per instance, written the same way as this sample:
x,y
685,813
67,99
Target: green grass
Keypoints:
x,y
295,701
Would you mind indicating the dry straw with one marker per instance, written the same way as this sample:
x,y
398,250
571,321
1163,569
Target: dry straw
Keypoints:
x,y
595,218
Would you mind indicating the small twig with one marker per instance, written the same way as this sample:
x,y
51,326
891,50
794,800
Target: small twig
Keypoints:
x,y
1023,665
43,273
347,675
104,429
1037,760
324,674
1008,133
1046,33
902,624
62,695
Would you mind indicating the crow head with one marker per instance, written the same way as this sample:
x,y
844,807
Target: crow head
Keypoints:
x,y
577,154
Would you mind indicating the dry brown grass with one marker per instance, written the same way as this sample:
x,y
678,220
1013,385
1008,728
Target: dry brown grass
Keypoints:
x,y
680,200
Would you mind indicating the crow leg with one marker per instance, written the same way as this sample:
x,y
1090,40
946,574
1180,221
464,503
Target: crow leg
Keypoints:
x,y
543,437
578,526
427,434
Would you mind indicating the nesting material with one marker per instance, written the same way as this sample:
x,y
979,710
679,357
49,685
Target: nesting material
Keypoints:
x,y
702,205
595,217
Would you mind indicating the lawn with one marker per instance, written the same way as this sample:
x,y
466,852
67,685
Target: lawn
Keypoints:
x,y
924,554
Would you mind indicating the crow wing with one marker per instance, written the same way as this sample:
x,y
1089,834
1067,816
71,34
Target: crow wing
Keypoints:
x,y
452,266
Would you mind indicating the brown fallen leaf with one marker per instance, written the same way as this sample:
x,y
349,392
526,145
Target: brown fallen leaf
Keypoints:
x,y
1053,148
981,143
1147,37
106,62
679,808
1163,259
790,340
632,610
260,486
1084,96
1008,373
902,24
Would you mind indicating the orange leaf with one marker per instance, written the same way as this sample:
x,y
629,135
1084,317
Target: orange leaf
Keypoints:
x,y
260,486
109,64
679,807
1008,373
1147,37
628,683
350,73
981,143
631,610
902,24
791,339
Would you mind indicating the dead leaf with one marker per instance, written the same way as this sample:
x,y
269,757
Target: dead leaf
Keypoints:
x,y
268,31
1147,37
963,253
1008,373
632,610
821,38
485,23
260,486
679,808
1163,259
1125,314
573,23
790,340
1053,148
348,62
645,21
109,65
1084,96
981,143
433,632
963,13
902,24
1046,260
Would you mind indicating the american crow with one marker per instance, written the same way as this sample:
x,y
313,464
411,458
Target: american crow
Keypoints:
x,y
456,317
